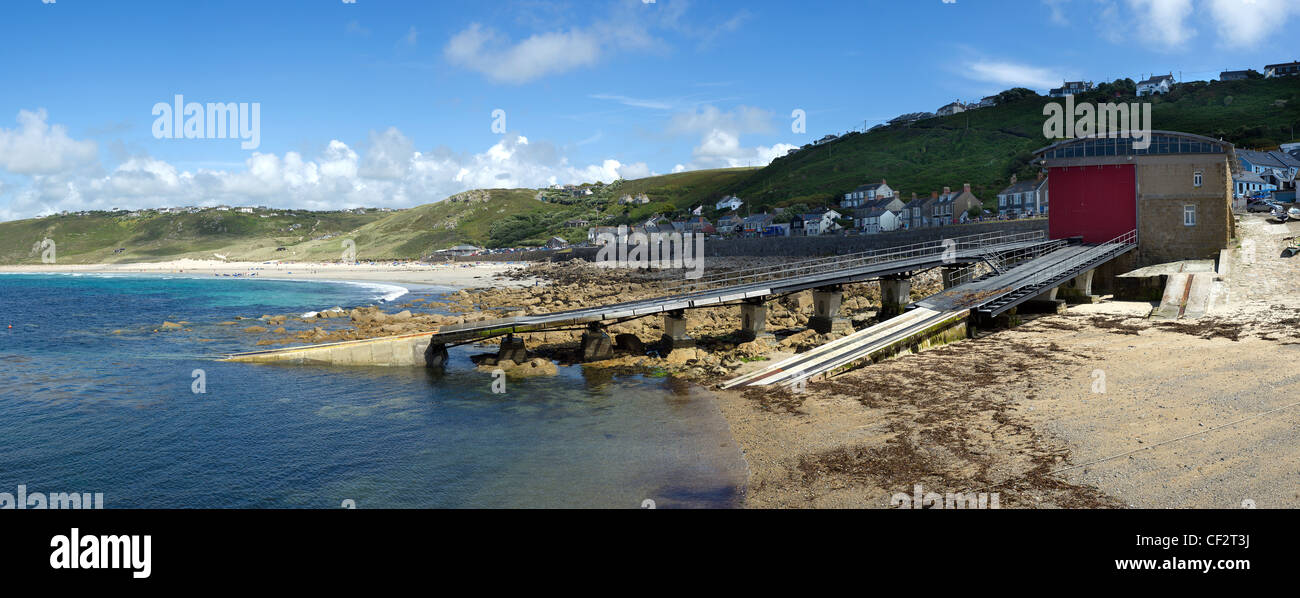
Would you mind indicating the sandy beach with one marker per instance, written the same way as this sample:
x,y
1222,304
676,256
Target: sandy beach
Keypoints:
x,y
462,275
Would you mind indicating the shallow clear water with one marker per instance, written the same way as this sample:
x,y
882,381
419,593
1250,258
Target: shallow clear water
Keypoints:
x,y
93,400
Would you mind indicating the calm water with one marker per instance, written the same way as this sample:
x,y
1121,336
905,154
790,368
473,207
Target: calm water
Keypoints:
x,y
93,400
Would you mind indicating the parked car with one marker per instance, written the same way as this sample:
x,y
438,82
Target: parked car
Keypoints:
x,y
1259,206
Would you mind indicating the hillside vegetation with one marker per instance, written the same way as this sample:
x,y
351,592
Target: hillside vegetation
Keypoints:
x,y
982,147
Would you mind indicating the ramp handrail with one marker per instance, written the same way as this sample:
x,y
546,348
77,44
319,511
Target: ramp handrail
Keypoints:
x,y
927,248
1112,247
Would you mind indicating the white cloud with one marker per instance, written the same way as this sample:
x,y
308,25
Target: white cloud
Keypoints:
x,y
720,134
1163,23
388,171
1250,24
744,119
1056,11
634,102
491,53
1010,74
35,147
638,170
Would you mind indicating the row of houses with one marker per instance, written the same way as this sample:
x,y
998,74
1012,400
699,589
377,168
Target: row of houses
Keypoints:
x,y
1265,171
876,207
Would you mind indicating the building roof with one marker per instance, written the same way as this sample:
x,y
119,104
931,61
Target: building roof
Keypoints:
x,y
1024,186
1247,177
1274,159
1156,80
1242,73
1198,144
1269,66
869,187
758,218
879,203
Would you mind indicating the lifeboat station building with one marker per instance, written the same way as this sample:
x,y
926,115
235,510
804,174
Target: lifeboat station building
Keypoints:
x,y
1176,193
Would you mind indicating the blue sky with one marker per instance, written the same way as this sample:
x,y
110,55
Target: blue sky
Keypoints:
x,y
388,103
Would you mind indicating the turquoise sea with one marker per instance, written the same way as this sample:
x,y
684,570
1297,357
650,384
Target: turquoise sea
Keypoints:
x,y
92,399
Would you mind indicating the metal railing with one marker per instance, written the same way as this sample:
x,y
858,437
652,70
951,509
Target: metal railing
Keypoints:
x,y
1103,252
853,260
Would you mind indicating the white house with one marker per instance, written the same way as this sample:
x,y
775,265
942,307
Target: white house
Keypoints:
x,y
1154,85
879,220
820,223
865,194
1023,198
729,203
1286,69
1070,88
951,109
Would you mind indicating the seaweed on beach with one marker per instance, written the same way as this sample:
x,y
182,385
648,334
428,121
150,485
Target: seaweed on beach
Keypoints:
x,y
1206,329
1117,325
953,428
776,400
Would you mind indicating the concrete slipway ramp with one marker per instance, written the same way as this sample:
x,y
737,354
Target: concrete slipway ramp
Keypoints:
x,y
404,350
918,328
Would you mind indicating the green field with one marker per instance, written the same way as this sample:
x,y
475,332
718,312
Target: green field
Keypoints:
x,y
981,147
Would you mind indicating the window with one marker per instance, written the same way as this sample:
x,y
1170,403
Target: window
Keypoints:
x,y
1196,179
1189,215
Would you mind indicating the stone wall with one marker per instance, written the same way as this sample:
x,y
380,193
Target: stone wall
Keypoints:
x,y
1165,187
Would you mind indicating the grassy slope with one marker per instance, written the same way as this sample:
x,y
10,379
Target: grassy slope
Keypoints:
x,y
92,238
985,147
981,147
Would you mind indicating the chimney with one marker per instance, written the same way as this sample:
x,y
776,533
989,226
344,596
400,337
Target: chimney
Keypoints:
x,y
1041,174
947,190
1013,179
882,182
965,187
935,194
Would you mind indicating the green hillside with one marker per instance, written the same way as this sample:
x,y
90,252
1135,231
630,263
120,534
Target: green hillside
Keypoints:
x,y
985,147
149,235
982,147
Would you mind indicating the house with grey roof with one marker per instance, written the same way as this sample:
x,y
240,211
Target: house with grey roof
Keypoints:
x,y
951,109
1285,69
1245,184
1023,198
1159,84
1281,165
877,220
952,207
865,194
1234,75
1070,88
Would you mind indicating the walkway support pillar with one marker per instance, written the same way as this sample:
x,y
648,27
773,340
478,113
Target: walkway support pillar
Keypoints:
x,y
895,294
596,344
753,320
675,336
826,310
435,356
512,348
956,276
1078,289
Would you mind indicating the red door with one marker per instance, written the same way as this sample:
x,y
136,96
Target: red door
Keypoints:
x,y
1098,203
